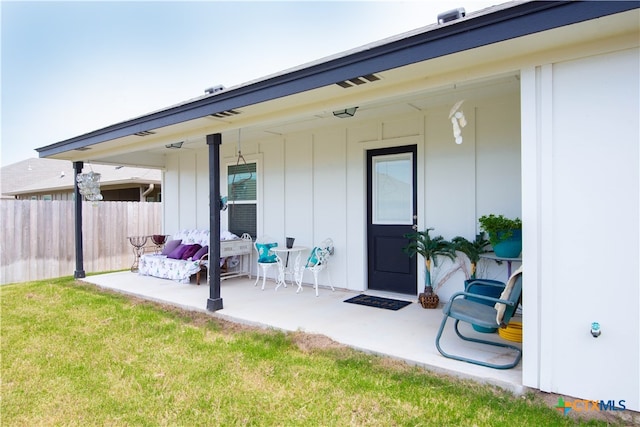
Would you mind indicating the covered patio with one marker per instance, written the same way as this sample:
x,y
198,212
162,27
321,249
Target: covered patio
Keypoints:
x,y
373,330
544,141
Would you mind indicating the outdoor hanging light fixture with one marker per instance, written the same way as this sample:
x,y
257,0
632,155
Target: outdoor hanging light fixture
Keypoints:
x,y
89,186
236,186
347,112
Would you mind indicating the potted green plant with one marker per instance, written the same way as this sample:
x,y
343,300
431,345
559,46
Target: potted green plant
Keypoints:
x,y
505,234
485,287
420,242
472,250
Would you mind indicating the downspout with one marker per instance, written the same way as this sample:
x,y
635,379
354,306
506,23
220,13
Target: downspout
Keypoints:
x,y
146,192
214,302
77,169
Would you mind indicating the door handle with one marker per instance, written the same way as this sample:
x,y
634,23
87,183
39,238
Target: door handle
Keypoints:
x,y
415,227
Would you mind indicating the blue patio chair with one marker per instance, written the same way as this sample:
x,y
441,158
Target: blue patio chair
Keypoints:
x,y
465,307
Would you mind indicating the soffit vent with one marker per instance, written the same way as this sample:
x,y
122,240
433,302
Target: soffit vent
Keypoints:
x,y
225,114
82,148
357,81
144,133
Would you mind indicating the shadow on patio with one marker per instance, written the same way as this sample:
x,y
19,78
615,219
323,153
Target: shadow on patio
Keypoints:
x,y
407,334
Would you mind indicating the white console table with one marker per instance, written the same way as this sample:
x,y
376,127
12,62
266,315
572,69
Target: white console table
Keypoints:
x,y
242,247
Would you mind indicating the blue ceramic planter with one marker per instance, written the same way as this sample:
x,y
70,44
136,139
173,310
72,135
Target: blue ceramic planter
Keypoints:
x,y
485,290
510,248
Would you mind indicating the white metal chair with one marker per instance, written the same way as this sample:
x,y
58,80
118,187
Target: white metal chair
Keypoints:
x,y
319,260
266,258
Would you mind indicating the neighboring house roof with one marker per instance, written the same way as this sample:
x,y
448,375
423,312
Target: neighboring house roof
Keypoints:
x,y
40,175
487,27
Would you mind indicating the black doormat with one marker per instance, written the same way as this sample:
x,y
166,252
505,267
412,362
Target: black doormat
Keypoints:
x,y
379,302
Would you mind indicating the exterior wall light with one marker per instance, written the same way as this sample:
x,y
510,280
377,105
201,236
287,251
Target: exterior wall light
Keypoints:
x,y
347,112
175,145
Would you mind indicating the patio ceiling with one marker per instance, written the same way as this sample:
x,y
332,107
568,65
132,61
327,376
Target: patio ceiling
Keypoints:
x,y
408,89
258,122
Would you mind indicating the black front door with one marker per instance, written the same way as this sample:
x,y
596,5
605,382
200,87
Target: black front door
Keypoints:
x,y
391,213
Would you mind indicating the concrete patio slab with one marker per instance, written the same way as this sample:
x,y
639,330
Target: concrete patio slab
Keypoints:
x,y
407,334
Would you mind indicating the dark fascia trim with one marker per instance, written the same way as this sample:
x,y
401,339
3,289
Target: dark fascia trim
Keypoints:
x,y
505,24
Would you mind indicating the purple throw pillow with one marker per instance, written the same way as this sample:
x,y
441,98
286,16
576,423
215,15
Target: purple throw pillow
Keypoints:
x,y
178,252
191,251
202,252
170,246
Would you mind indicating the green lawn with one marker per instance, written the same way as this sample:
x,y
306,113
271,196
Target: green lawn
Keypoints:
x,y
76,355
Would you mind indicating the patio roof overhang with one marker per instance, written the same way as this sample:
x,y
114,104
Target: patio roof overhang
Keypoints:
x,y
415,70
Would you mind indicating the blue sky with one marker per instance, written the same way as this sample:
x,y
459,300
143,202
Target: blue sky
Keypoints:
x,y
72,67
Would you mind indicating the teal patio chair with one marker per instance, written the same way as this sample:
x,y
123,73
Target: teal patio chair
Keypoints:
x,y
266,258
319,260
466,307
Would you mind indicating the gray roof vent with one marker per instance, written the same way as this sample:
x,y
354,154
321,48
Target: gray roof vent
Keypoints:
x,y
214,89
451,15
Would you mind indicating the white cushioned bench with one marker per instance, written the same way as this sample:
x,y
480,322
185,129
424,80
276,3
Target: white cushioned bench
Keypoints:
x,y
174,263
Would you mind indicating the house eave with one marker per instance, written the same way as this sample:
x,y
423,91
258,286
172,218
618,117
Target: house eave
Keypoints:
x,y
70,187
434,41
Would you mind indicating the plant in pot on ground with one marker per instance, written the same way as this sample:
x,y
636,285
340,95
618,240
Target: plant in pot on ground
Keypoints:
x,y
472,250
485,287
505,234
420,242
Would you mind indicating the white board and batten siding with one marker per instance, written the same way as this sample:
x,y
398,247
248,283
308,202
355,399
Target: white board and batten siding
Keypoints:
x,y
581,199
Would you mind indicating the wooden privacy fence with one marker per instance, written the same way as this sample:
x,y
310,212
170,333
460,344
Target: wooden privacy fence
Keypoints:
x,y
38,237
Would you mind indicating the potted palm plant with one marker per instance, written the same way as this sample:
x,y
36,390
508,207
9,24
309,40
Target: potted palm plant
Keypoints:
x,y
472,250
486,287
505,234
420,242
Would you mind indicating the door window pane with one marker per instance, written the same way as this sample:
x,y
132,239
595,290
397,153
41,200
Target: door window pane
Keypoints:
x,y
392,189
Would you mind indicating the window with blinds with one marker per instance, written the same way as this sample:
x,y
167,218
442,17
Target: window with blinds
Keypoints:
x,y
242,198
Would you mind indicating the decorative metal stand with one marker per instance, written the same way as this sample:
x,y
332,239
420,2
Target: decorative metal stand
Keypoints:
x,y
138,242
159,240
